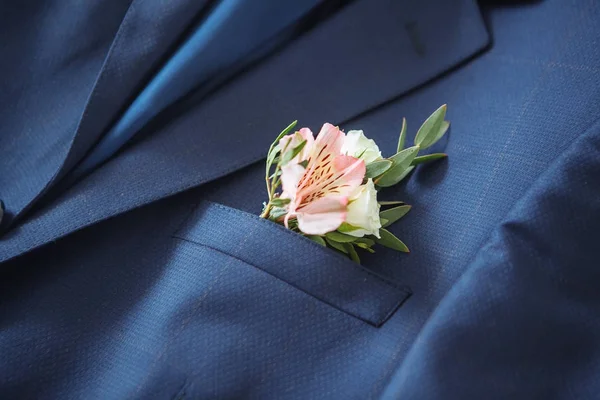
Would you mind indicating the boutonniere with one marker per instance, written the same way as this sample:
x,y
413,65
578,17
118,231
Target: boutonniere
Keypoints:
x,y
326,188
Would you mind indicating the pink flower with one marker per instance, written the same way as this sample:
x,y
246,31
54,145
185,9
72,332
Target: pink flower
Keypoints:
x,y
319,193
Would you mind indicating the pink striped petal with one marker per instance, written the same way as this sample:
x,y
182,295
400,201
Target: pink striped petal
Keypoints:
x,y
353,169
330,138
323,215
338,176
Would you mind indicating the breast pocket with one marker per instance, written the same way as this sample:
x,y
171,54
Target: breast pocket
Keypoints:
x,y
294,260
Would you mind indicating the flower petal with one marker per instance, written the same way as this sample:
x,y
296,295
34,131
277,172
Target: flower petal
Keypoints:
x,y
309,137
338,176
353,169
330,138
290,176
357,144
323,215
363,211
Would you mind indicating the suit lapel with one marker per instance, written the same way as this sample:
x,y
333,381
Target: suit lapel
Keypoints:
x,y
141,43
137,48
369,52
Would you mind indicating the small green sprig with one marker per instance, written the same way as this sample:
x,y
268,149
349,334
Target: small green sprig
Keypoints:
x,y
389,172
277,158
394,169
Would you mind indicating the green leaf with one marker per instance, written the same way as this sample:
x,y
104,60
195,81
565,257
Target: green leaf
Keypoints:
x,y
280,202
365,247
317,239
365,241
289,155
406,172
429,132
293,224
274,149
352,252
340,237
442,132
303,163
390,203
346,227
365,244
377,168
402,138
404,157
402,161
393,214
336,245
276,213
285,131
428,158
273,153
383,221
275,174
389,240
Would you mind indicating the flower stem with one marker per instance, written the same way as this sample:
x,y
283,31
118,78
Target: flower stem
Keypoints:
x,y
266,211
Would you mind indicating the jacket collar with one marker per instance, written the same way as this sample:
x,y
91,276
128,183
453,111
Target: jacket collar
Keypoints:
x,y
137,48
368,53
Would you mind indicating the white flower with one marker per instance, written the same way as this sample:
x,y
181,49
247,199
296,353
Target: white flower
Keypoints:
x,y
357,145
363,211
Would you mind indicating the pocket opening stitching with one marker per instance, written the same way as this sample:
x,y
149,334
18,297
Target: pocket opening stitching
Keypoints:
x,y
377,323
271,224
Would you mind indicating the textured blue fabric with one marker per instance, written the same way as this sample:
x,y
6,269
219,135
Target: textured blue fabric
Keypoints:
x,y
523,318
230,32
72,69
210,143
37,66
365,295
101,298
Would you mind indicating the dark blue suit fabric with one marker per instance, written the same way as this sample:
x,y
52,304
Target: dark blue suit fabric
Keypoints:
x,y
132,260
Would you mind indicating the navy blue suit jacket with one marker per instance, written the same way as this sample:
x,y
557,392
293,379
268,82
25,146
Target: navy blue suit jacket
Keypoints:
x,y
132,262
